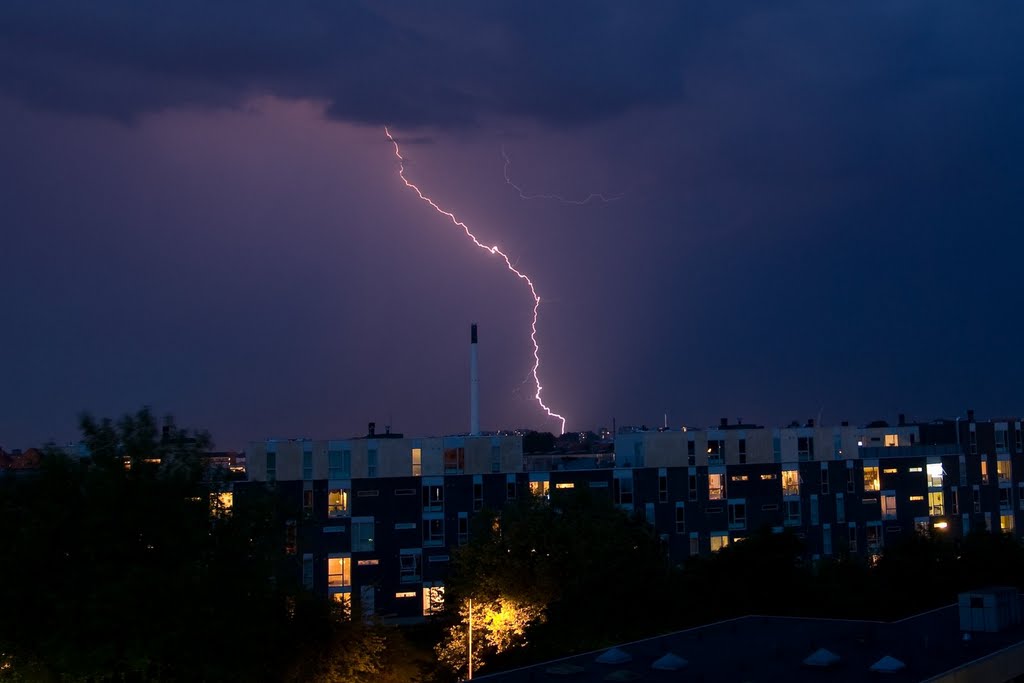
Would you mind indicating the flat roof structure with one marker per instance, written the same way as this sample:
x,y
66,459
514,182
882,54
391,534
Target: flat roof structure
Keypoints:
x,y
760,648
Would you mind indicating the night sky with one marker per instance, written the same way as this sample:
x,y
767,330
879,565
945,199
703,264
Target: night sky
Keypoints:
x,y
820,217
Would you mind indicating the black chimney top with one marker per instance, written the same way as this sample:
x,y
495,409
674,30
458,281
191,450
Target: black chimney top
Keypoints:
x,y
970,415
903,420
724,422
472,334
371,428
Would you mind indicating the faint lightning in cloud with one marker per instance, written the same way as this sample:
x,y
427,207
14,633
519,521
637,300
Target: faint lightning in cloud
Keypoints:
x,y
593,197
508,263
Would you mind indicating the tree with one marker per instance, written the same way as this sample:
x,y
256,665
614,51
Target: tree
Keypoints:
x,y
129,565
560,574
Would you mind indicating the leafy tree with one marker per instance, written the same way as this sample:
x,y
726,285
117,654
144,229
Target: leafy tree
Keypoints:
x,y
115,569
570,573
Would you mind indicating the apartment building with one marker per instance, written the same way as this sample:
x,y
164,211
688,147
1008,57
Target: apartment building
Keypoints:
x,y
375,519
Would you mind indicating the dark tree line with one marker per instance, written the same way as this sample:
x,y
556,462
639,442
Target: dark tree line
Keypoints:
x,y
128,566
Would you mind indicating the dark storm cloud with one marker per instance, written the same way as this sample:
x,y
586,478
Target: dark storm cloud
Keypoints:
x,y
407,64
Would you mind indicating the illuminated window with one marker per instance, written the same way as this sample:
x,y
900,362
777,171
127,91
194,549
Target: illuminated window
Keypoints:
x,y
738,515
362,534
221,503
738,477
767,477
417,462
890,470
984,471
892,440
790,482
454,460
433,598
1006,523
409,565
716,486
680,517
433,532
339,464
405,594
935,474
936,503
539,489
1003,470
565,485
914,499
337,502
433,498
914,470
719,541
888,506
339,571
872,482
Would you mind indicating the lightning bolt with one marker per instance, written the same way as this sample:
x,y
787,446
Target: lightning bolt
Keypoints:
x,y
508,263
554,197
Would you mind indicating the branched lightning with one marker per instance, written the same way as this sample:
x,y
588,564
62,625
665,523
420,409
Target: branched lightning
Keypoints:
x,y
594,196
508,263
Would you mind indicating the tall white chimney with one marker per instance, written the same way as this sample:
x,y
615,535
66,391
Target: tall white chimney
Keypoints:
x,y
474,385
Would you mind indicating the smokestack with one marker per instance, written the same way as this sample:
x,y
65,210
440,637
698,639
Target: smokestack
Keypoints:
x,y
474,384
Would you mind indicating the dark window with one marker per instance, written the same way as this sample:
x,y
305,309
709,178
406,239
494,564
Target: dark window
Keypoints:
x,y
454,460
663,489
291,536
478,496
693,486
824,480
743,451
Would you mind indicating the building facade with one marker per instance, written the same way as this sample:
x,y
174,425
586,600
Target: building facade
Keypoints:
x,y
375,520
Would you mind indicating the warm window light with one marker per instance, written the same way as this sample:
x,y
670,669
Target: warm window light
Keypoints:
x,y
941,525
565,485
